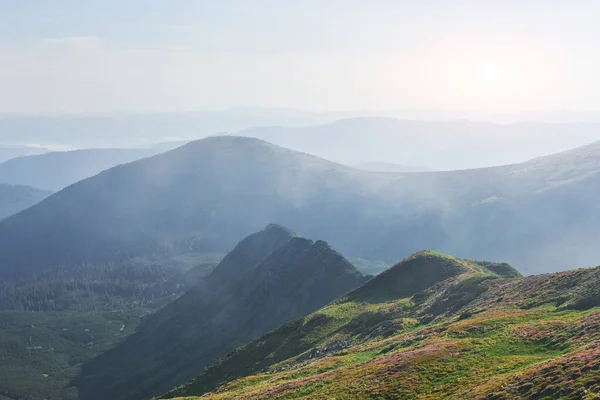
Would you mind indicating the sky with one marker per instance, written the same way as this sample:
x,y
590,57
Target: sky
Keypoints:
x,y
72,56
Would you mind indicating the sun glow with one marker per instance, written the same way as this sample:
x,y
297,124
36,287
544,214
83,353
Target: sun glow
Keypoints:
x,y
492,74
496,81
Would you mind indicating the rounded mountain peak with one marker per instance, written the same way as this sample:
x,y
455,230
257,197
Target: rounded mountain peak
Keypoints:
x,y
411,275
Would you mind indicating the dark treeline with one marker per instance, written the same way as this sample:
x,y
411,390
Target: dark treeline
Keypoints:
x,y
90,286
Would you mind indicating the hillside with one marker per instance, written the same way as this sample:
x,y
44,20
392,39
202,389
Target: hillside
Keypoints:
x,y
15,198
539,216
270,277
479,331
388,167
57,170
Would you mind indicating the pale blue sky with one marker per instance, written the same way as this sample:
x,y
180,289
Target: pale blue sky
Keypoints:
x,y
151,55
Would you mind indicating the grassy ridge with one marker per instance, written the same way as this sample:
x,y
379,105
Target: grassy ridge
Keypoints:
x,y
472,335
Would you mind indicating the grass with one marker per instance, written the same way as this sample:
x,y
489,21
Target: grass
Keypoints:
x,y
474,335
450,364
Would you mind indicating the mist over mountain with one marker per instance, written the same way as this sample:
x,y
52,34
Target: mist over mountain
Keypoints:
x,y
15,198
389,167
11,151
408,138
562,116
540,215
269,278
438,145
134,130
57,170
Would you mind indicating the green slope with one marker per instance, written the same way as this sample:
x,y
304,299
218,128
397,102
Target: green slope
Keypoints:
x,y
271,277
474,333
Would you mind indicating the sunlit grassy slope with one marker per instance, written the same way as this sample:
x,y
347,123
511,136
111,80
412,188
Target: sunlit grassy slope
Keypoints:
x,y
463,329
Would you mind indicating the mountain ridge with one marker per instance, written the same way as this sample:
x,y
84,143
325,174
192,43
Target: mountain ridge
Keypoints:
x,y
476,334
222,188
434,144
56,170
419,272
16,198
269,278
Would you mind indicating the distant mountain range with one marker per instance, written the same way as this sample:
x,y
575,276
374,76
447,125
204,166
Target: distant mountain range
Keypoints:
x,y
271,277
437,145
432,326
11,151
57,170
136,130
409,138
540,216
15,198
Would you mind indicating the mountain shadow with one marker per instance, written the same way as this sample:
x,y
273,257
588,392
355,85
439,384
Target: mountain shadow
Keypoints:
x,y
270,277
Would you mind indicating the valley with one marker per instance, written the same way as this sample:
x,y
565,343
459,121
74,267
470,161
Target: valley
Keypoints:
x,y
54,322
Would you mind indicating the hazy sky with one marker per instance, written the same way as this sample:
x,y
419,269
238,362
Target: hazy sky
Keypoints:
x,y
67,56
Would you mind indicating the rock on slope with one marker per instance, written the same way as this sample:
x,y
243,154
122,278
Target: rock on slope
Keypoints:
x,y
270,278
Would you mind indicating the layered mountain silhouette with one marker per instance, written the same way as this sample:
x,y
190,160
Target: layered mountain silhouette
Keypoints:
x,y
432,326
8,152
439,145
539,216
57,170
15,198
429,138
134,130
270,277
